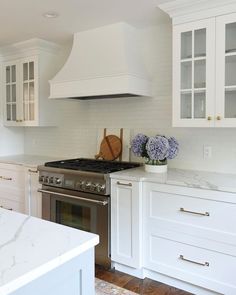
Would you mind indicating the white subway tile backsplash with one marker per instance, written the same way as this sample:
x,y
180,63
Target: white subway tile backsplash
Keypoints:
x,y
77,133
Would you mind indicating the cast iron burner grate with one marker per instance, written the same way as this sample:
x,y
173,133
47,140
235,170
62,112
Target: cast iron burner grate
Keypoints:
x,y
91,165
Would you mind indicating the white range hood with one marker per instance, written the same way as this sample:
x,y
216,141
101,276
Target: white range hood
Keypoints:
x,y
104,62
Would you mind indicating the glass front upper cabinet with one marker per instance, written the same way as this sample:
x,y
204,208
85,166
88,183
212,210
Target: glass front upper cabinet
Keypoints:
x,y
10,92
226,71
28,91
193,74
230,71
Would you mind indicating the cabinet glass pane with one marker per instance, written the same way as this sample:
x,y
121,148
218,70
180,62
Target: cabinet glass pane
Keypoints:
x,y
25,91
186,105
200,105
13,92
230,70
31,70
186,45
25,71
186,75
13,112
8,112
200,43
230,38
8,74
13,74
230,104
31,90
200,74
8,93
26,111
31,111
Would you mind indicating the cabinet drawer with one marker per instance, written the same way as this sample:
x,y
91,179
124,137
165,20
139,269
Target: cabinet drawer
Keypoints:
x,y
198,266
12,205
192,212
12,179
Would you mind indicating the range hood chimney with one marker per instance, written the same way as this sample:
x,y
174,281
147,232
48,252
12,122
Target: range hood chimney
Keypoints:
x,y
103,63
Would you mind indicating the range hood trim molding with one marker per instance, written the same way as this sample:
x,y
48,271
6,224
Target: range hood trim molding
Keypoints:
x,y
134,85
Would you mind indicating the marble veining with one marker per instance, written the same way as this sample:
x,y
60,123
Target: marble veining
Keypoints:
x,y
188,178
30,247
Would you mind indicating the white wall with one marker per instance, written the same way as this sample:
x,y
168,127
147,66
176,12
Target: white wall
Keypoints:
x,y
76,133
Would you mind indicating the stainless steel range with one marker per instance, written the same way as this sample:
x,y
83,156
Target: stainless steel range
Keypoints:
x,y
76,193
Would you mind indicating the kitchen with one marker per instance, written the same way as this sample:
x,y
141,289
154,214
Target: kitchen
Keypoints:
x,y
79,124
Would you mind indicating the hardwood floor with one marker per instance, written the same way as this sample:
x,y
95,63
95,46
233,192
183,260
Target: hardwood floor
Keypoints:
x,y
142,287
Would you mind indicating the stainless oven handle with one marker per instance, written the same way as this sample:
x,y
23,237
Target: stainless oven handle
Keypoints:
x,y
103,203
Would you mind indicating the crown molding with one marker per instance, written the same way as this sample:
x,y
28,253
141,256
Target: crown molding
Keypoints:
x,y
189,10
33,45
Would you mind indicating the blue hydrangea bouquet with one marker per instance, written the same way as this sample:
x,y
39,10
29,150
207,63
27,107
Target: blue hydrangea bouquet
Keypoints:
x,y
156,150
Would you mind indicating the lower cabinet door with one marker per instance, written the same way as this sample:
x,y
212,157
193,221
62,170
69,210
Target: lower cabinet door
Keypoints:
x,y
126,227
204,268
12,205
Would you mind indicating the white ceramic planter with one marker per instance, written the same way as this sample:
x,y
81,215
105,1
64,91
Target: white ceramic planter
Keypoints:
x,y
155,168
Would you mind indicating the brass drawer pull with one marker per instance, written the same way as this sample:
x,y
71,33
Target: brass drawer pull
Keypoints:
x,y
124,184
195,262
193,212
19,121
32,171
10,209
5,178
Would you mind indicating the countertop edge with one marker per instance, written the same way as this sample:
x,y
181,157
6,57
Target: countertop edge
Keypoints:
x,y
46,267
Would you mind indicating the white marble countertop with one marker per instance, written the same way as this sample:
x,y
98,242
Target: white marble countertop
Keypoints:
x,y
188,178
27,160
31,247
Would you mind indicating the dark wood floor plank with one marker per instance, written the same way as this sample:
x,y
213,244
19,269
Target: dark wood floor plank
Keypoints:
x,y
142,287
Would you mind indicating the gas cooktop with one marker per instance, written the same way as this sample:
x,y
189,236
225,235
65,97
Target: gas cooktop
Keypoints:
x,y
91,165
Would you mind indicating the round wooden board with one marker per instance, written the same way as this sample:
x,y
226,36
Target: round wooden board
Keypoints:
x,y
110,148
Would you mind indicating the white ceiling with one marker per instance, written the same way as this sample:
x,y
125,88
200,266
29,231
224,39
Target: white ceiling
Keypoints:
x,y
22,19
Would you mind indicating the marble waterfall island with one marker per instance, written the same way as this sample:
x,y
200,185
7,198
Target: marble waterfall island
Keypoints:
x,y
40,257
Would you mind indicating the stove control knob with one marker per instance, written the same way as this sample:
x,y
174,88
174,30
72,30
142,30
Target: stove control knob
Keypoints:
x,y
46,179
58,181
81,184
101,188
93,187
88,185
41,178
51,180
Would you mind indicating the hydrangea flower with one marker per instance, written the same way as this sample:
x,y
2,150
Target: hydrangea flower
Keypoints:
x,y
173,148
138,145
157,148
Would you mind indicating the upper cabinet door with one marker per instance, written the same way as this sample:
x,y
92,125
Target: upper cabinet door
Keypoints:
x,y
226,71
10,91
194,74
29,90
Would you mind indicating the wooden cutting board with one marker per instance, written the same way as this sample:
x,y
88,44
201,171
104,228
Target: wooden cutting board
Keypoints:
x,y
110,148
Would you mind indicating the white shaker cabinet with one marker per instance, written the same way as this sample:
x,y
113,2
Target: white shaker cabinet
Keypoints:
x,y
12,189
204,63
226,71
26,71
126,222
33,199
194,74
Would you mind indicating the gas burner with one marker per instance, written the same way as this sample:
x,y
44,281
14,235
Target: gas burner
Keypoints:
x,y
91,165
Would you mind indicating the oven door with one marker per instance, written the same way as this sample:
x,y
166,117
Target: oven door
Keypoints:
x,y
84,211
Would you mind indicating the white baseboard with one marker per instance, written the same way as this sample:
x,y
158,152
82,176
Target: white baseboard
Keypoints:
x,y
144,273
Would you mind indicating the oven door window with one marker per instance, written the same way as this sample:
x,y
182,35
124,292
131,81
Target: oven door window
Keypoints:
x,y
80,216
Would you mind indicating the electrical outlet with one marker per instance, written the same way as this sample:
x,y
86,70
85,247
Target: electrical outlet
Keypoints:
x,y
207,152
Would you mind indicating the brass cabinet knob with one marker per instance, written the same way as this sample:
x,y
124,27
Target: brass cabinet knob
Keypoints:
x,y
18,121
218,118
209,118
